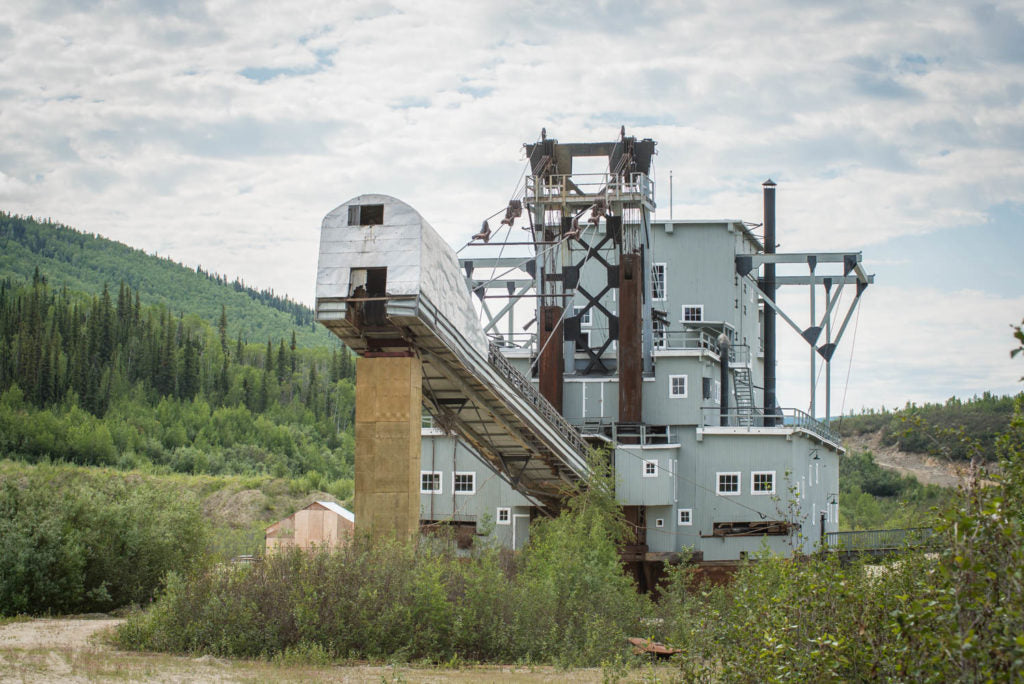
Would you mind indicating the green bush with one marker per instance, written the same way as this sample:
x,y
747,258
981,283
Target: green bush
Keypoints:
x,y
565,599
76,543
955,615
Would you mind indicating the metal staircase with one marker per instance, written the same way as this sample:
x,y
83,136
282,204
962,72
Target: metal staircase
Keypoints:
x,y
744,389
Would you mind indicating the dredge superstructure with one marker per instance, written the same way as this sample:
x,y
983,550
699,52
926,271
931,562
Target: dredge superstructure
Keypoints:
x,y
654,339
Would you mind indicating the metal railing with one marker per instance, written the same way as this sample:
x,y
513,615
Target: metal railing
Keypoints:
x,y
883,540
634,433
569,187
522,385
699,339
782,418
524,340
471,359
793,417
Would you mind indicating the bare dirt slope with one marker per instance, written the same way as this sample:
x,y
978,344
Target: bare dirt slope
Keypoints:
x,y
73,650
927,469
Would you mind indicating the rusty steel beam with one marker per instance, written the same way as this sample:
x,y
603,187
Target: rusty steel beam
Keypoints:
x,y
630,338
550,365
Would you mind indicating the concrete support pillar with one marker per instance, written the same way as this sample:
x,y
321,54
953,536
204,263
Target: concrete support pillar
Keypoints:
x,y
388,410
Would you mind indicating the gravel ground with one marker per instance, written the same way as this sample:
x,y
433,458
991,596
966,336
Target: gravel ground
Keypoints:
x,y
73,650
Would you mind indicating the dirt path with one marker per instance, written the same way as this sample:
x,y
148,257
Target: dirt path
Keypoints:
x,y
32,634
72,650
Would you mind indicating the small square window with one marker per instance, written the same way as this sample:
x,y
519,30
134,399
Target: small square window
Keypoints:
x,y
677,386
658,274
464,483
686,516
728,484
504,516
583,342
693,313
659,522
762,482
366,215
650,468
430,482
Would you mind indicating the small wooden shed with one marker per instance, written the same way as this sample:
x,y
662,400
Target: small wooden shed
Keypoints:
x,y
321,524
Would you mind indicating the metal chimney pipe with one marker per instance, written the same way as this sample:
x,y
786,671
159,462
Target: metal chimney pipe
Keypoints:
x,y
768,287
723,381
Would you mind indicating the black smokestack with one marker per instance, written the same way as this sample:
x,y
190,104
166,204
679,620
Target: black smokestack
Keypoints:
x,y
769,312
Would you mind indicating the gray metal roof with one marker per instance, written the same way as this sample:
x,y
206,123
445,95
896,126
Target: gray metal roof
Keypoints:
x,y
343,512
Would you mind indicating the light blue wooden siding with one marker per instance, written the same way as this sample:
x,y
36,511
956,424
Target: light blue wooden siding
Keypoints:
x,y
632,488
447,455
802,488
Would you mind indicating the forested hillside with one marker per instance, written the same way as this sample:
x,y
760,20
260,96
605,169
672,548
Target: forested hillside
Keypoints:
x,y
945,429
87,263
107,380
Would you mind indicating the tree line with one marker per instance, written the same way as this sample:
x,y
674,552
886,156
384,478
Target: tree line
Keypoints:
x,y
151,383
85,262
979,419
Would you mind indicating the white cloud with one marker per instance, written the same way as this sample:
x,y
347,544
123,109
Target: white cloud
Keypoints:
x,y
909,344
221,132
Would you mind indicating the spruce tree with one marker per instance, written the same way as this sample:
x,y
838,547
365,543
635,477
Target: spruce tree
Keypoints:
x,y
222,328
293,351
282,362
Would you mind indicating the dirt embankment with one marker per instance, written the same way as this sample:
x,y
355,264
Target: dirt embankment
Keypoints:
x,y
927,469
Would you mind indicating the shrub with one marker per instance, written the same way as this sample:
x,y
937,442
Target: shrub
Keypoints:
x,y
88,543
565,599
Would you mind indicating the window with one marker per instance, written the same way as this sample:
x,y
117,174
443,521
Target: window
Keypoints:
x,y
585,317
650,468
464,483
686,516
659,335
762,482
728,484
659,522
693,313
504,516
366,215
583,341
430,482
677,386
658,281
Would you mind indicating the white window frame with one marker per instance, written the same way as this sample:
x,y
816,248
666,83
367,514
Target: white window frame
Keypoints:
x,y
689,517
586,319
440,481
508,516
653,463
659,522
753,477
698,307
671,387
739,483
664,281
455,476
585,338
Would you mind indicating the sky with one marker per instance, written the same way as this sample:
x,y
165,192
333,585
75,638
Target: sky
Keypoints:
x,y
220,133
